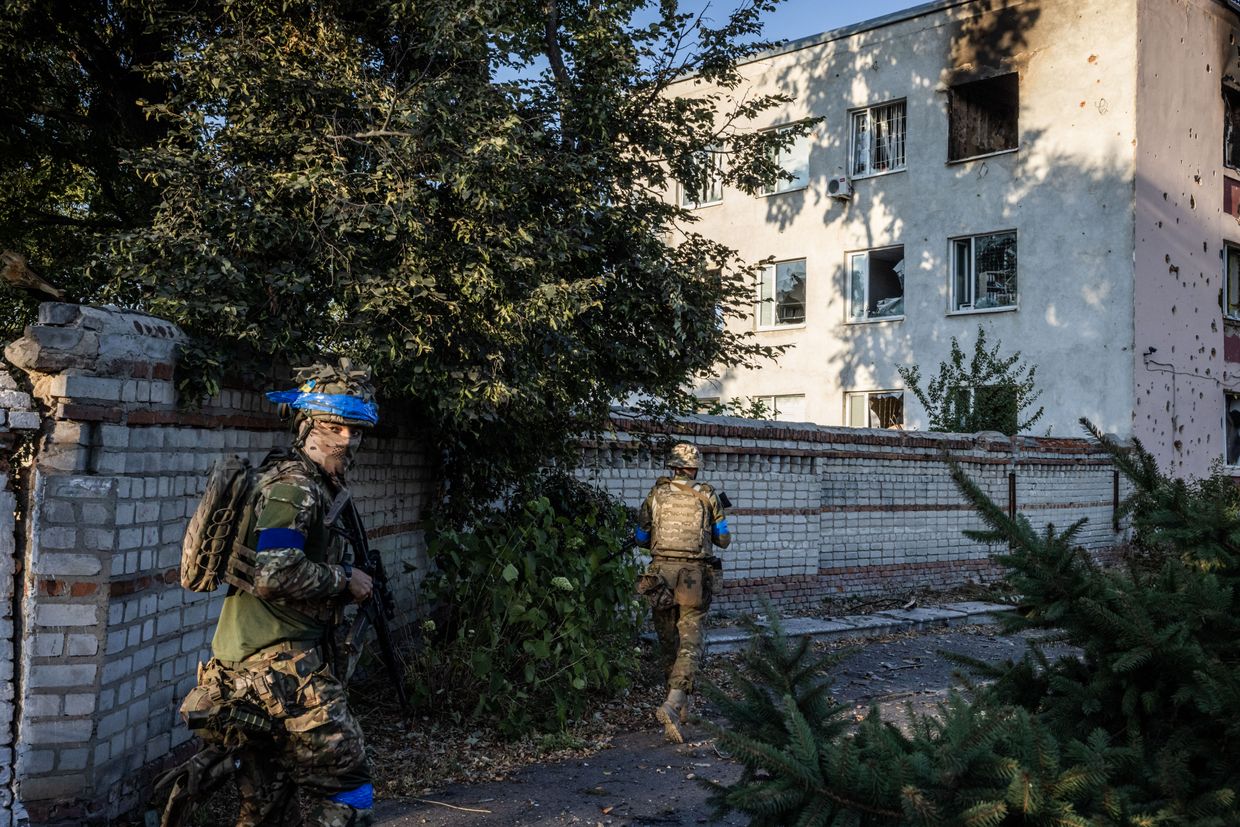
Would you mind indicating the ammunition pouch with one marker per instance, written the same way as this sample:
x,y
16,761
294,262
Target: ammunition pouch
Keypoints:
x,y
654,588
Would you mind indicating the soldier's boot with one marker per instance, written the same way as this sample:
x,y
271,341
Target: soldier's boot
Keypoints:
x,y
669,715
686,709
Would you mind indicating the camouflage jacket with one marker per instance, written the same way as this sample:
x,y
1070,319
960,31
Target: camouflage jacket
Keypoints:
x,y
299,572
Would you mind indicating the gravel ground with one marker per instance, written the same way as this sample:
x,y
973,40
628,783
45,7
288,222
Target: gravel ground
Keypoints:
x,y
622,772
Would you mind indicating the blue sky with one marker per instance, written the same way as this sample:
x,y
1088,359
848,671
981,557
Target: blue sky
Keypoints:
x,y
794,19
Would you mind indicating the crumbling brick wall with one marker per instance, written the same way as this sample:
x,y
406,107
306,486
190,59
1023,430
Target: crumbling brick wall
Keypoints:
x,y
18,421
822,512
109,641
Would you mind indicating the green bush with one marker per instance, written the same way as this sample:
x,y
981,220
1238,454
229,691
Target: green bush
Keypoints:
x,y
535,613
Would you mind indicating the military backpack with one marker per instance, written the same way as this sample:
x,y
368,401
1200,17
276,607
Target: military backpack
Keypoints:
x,y
212,550
681,516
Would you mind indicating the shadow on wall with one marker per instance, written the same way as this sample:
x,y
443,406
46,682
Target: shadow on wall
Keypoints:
x,y
932,201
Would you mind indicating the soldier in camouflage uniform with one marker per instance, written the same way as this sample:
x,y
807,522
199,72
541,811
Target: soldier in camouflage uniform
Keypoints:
x,y
678,522
269,644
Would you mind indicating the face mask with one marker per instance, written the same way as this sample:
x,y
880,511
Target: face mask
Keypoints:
x,y
332,451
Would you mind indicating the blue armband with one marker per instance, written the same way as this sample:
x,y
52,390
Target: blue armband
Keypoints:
x,y
720,528
280,538
641,535
363,798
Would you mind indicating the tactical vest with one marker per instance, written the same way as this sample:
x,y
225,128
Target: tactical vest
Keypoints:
x,y
680,516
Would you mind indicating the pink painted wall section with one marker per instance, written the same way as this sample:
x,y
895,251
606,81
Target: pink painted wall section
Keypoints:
x,y
1186,47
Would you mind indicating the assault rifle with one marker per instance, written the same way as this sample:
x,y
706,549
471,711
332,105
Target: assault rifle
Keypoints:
x,y
377,609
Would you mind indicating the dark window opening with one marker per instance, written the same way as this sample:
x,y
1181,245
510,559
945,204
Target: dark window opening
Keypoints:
x,y
982,117
1231,423
1231,127
877,288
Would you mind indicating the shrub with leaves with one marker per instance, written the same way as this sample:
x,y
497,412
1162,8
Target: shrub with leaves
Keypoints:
x,y
1139,729
537,617
990,393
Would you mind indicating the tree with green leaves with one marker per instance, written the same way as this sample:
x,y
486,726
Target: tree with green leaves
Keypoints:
x,y
990,393
470,196
1138,729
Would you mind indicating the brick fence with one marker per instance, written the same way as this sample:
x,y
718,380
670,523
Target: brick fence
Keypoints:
x,y
109,642
98,642
823,512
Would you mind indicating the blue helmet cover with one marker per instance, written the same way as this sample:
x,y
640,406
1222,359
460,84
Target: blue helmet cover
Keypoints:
x,y
337,404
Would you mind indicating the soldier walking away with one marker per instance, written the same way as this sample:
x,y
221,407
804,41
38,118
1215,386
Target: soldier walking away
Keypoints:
x,y
678,522
271,703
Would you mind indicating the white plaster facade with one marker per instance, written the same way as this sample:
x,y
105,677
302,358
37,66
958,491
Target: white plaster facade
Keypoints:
x,y
1120,101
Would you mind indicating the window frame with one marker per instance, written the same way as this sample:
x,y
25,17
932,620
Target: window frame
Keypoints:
x,y
953,308
774,406
850,395
717,155
773,268
1228,247
849,317
775,190
951,92
1229,398
868,111
1231,125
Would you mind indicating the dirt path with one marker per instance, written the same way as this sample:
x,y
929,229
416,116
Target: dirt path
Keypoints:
x,y
642,780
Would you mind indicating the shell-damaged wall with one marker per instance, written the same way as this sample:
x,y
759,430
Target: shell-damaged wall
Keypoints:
x,y
1066,190
109,641
1186,357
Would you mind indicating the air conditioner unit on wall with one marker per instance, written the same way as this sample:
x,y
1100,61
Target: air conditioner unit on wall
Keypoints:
x,y
840,187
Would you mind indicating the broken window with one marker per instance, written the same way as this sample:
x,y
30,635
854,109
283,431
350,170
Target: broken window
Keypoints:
x,y
781,294
1231,426
984,271
874,409
793,160
711,191
1231,127
982,117
876,284
878,139
1231,284
784,408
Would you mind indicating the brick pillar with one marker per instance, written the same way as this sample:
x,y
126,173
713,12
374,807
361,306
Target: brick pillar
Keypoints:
x,y
77,737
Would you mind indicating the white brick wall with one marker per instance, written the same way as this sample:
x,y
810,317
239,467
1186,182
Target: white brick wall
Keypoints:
x,y
818,512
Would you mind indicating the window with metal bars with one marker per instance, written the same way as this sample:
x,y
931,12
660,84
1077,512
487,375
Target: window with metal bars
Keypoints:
x,y
984,271
879,138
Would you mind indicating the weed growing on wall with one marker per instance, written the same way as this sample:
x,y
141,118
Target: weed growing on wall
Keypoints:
x,y
1139,729
537,616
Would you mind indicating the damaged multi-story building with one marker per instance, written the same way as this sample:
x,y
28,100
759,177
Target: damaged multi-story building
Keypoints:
x,y
1062,173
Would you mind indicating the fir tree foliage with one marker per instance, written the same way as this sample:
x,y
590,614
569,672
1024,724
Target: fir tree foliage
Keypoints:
x,y
990,393
1142,727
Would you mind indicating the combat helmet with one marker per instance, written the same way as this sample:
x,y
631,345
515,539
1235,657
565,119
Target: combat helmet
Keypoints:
x,y
339,392
684,455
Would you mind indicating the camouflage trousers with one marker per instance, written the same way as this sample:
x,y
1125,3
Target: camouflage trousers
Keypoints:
x,y
679,621
316,746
